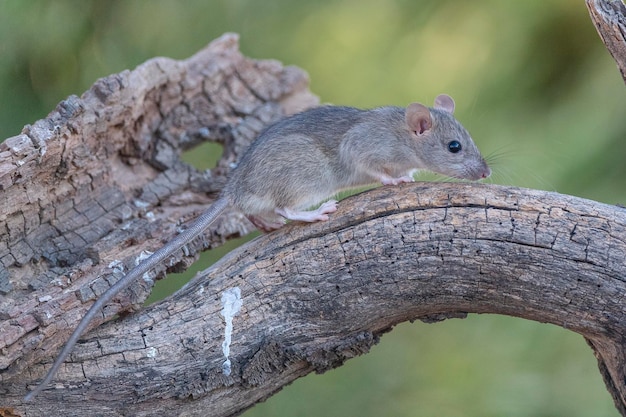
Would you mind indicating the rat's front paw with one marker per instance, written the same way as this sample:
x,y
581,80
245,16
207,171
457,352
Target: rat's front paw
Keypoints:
x,y
328,207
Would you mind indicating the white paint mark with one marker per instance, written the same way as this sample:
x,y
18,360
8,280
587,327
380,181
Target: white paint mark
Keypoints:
x,y
231,302
151,352
150,216
45,298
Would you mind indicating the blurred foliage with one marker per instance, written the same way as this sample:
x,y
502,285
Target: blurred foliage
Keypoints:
x,y
532,82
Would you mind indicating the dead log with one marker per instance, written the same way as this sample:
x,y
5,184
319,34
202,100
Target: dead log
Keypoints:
x,y
100,180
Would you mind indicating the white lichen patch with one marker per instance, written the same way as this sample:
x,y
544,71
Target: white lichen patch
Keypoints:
x,y
231,304
151,352
141,204
116,265
145,254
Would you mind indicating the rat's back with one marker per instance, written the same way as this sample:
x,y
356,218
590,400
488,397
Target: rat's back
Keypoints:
x,y
326,124
292,162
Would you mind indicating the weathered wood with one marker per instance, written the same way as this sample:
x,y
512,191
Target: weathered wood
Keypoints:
x,y
317,295
86,190
609,18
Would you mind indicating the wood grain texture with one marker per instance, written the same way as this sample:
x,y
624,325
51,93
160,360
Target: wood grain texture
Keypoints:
x,y
317,295
609,18
84,191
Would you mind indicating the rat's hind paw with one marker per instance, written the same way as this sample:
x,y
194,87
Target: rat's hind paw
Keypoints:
x,y
320,214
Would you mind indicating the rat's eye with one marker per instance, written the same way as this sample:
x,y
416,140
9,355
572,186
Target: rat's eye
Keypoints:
x,y
454,146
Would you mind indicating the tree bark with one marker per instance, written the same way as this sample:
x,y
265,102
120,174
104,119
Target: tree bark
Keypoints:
x,y
609,18
98,181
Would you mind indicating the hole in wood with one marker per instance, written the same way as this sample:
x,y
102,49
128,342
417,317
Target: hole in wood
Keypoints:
x,y
204,156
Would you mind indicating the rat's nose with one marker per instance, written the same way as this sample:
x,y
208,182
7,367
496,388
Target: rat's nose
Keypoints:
x,y
486,172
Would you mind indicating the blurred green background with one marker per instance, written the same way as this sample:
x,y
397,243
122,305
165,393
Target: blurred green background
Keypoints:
x,y
533,84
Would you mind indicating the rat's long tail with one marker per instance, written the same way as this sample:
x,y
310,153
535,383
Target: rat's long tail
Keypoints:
x,y
194,229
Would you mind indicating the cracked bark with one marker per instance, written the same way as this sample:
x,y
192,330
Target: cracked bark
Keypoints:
x,y
609,18
86,190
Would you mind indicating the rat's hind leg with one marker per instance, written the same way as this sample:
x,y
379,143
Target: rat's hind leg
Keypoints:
x,y
267,223
320,214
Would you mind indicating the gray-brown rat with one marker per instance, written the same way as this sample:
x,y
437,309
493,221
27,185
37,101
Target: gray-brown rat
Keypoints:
x,y
306,158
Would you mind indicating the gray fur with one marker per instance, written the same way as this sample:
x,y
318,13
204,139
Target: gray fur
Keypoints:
x,y
307,158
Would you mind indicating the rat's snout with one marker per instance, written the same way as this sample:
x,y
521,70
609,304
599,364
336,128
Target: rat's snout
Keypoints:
x,y
481,172
486,172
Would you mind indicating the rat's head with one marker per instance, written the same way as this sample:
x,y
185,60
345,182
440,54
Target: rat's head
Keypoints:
x,y
442,144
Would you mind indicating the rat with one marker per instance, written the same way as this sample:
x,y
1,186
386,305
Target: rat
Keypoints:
x,y
308,157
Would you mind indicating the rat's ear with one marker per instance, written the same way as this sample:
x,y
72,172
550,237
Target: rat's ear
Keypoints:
x,y
444,102
418,119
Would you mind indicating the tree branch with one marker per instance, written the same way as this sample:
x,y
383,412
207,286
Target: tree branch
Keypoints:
x,y
316,295
609,18
87,189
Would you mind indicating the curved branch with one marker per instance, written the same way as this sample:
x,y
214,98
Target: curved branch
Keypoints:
x,y
100,180
314,296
